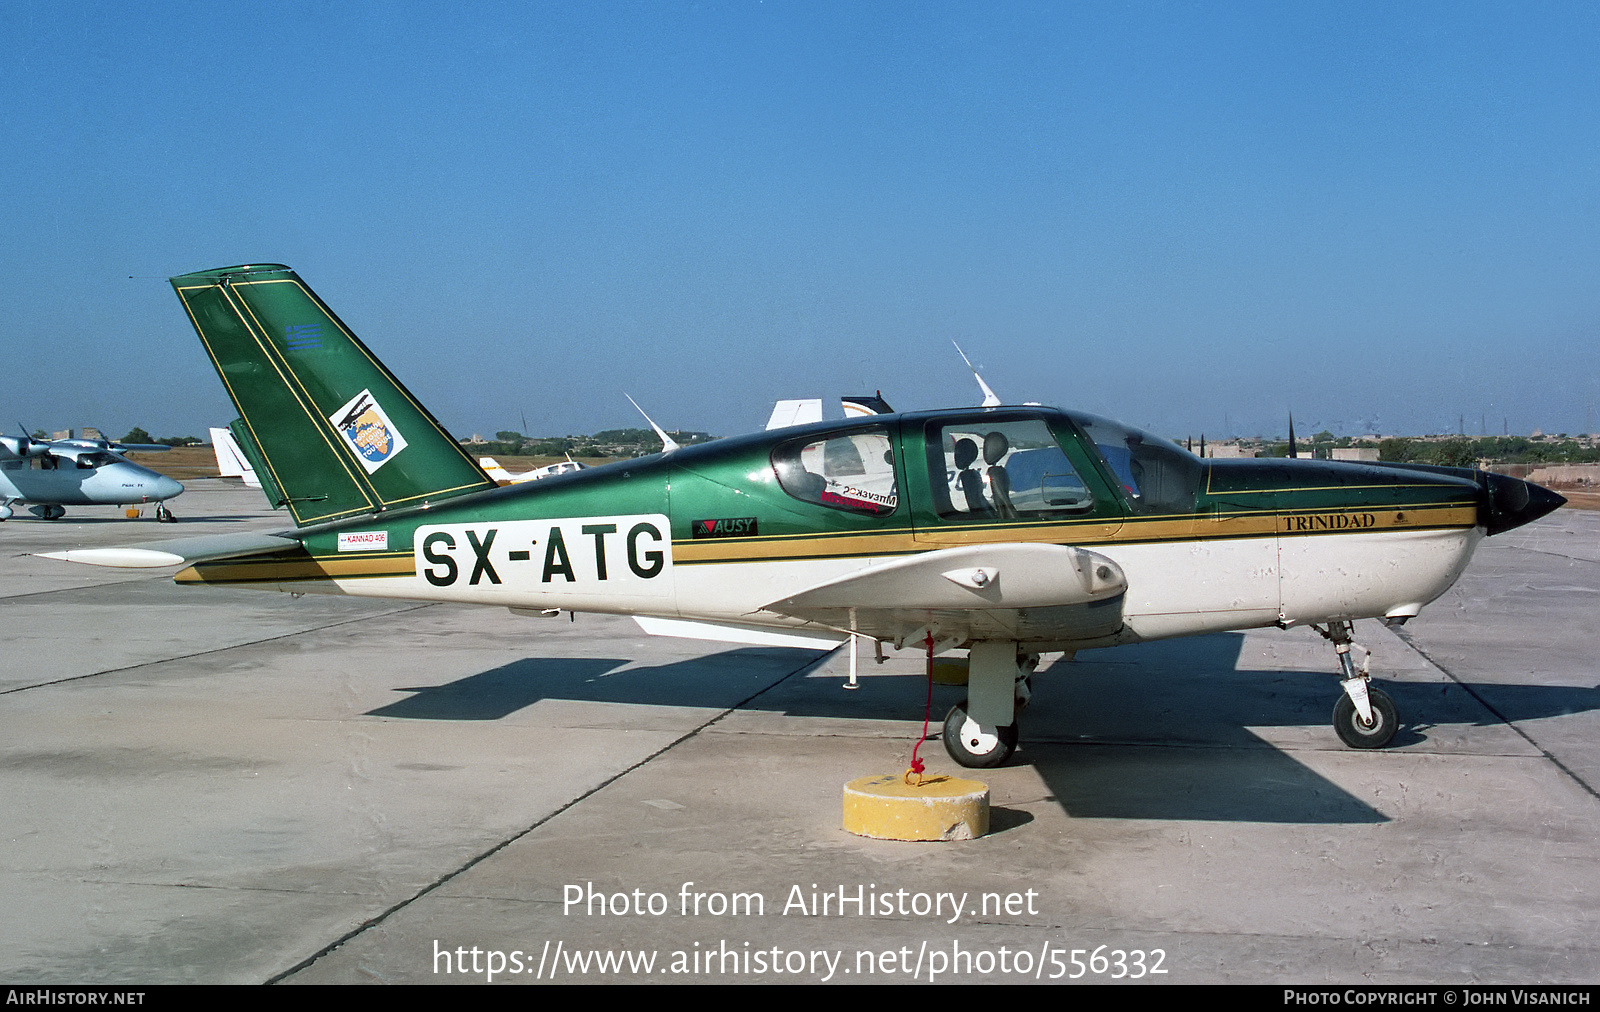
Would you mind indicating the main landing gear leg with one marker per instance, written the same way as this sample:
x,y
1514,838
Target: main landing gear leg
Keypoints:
x,y
981,732
1365,716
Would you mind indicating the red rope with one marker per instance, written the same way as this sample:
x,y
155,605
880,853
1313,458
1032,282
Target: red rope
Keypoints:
x,y
927,712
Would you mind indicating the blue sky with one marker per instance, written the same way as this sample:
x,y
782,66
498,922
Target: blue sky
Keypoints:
x,y
1190,216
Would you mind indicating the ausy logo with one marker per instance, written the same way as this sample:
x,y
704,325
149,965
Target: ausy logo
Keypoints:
x,y
369,432
725,527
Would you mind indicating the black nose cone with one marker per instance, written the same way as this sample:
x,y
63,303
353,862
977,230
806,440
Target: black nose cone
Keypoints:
x,y
1512,502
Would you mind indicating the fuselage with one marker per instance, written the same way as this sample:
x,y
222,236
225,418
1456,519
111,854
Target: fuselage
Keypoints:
x,y
82,476
717,532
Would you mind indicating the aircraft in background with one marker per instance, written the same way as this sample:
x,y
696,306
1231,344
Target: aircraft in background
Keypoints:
x,y
231,459
52,474
787,414
1073,532
501,476
990,398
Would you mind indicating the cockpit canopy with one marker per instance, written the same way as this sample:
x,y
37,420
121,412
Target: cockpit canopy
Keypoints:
x,y
1158,475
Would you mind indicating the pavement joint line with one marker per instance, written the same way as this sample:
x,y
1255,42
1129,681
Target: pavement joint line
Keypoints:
x,y
1558,555
1405,638
74,590
136,884
213,650
447,877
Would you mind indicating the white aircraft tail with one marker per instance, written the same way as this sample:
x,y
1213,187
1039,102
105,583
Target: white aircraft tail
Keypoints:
x,y
231,461
492,468
798,412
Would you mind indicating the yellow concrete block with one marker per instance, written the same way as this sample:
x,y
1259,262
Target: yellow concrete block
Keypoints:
x,y
885,807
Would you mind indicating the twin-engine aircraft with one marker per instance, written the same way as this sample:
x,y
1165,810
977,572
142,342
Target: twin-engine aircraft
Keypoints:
x,y
52,474
1005,531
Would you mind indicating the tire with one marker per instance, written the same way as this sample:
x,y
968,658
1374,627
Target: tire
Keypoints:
x,y
1385,720
962,751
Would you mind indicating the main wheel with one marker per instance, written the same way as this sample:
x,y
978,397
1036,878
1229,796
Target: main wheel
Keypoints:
x,y
1385,720
975,746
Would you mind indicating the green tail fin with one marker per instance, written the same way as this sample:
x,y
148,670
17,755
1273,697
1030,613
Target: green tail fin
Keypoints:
x,y
337,433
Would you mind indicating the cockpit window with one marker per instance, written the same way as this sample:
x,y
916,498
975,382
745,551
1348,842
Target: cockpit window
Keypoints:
x,y
852,471
1159,475
1002,470
94,459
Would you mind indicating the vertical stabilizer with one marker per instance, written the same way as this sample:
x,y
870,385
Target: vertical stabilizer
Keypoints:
x,y
795,412
232,461
337,433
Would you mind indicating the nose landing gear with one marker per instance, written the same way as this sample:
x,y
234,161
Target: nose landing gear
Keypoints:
x,y
1365,716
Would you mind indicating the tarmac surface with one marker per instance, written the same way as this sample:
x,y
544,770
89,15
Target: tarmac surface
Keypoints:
x,y
233,786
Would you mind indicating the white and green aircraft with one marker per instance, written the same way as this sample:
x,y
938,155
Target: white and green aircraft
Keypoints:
x,y
1003,531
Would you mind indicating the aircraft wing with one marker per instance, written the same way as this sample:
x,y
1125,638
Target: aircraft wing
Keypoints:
x,y
140,447
1016,591
177,552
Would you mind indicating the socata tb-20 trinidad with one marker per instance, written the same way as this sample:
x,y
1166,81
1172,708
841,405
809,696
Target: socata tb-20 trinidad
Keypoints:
x,y
1005,531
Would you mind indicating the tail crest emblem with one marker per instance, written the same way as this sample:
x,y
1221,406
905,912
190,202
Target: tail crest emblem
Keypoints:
x,y
368,431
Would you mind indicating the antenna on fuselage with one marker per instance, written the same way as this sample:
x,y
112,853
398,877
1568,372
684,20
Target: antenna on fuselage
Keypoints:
x,y
1292,453
989,398
668,444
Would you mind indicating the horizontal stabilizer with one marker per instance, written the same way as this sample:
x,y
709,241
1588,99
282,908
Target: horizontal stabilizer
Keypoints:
x,y
177,552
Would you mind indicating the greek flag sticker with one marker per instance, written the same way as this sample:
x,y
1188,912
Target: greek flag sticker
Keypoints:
x,y
371,436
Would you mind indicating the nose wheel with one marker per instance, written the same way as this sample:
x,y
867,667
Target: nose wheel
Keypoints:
x,y
1359,733
164,515
1364,716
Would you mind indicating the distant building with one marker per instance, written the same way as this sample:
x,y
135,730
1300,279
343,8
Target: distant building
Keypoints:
x,y
1565,475
1354,453
1228,450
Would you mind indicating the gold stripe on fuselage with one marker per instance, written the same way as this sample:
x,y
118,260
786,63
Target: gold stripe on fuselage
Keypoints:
x,y
903,541
1097,531
273,569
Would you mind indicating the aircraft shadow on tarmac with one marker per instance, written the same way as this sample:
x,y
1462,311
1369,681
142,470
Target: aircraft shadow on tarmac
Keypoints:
x,y
1154,731
717,681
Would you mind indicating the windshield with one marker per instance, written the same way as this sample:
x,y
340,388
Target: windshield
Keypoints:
x,y
96,458
1158,475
